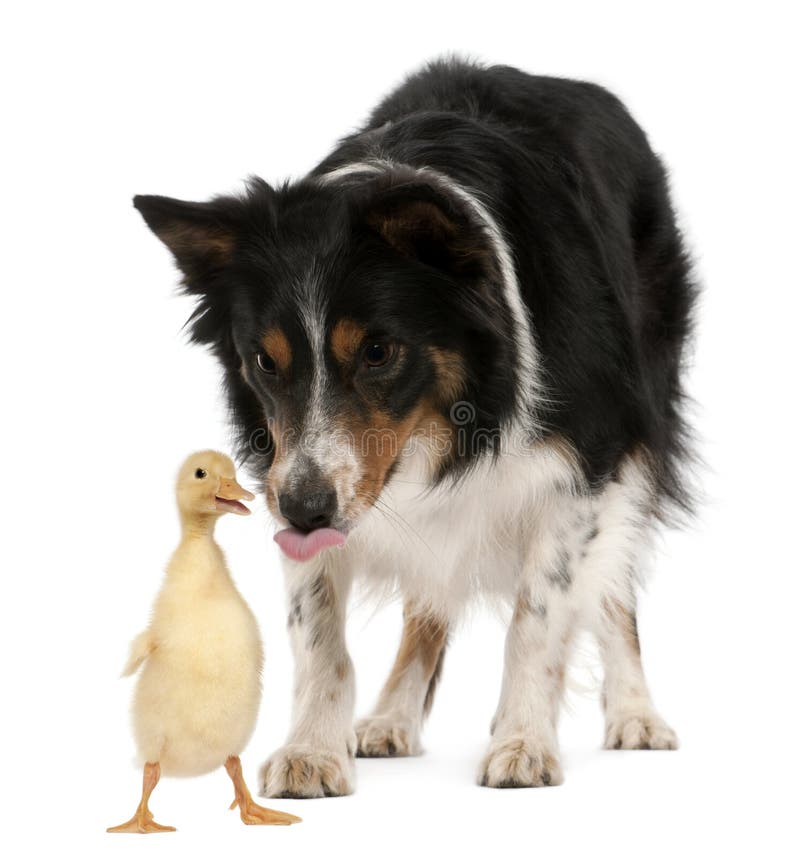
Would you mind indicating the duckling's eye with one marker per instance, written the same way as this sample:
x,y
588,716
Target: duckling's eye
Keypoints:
x,y
265,363
200,474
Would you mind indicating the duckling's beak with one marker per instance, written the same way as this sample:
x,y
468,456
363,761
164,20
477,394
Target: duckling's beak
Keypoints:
x,y
228,495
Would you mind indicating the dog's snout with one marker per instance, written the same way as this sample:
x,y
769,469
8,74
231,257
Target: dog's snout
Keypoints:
x,y
308,510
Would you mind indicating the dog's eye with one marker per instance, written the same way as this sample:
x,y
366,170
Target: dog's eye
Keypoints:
x,y
376,354
200,474
265,363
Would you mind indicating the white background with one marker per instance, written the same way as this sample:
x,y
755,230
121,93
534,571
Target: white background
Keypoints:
x,y
102,399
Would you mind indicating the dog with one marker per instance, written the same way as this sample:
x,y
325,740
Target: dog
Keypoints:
x,y
453,354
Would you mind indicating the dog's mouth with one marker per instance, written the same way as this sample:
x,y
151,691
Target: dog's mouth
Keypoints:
x,y
301,546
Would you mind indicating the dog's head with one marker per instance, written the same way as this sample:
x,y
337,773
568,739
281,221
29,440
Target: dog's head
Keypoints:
x,y
351,316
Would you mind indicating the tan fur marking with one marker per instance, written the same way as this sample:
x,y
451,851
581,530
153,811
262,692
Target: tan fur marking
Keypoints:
x,y
524,606
188,239
277,346
624,618
562,448
423,638
381,439
450,373
272,500
404,225
346,338
275,428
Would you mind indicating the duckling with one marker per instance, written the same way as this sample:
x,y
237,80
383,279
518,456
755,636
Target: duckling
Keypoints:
x,y
199,688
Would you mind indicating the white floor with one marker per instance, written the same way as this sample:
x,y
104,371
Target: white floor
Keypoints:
x,y
724,791
102,399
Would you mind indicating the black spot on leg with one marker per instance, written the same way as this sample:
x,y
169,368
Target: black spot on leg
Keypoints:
x,y
313,606
533,606
295,611
319,593
560,574
316,635
320,607
593,533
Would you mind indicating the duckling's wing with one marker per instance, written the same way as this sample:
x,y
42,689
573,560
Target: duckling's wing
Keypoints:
x,y
141,648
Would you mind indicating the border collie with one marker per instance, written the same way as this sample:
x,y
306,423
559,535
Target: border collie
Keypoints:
x,y
453,354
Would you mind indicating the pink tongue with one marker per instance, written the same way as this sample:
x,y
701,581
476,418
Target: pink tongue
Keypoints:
x,y
302,546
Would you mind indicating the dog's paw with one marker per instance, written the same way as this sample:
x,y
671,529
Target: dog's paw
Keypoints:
x,y
303,771
643,730
381,735
520,762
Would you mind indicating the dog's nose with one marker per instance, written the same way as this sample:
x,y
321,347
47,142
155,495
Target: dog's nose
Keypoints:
x,y
310,511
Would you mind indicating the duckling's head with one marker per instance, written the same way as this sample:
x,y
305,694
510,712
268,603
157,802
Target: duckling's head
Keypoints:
x,y
207,486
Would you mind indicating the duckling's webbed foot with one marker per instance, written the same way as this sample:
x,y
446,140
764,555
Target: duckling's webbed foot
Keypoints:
x,y
250,811
142,821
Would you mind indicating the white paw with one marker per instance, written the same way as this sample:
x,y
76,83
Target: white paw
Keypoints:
x,y
638,730
301,770
518,762
388,735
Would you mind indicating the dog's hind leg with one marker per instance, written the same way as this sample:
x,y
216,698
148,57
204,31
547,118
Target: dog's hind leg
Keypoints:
x,y
611,553
632,722
393,728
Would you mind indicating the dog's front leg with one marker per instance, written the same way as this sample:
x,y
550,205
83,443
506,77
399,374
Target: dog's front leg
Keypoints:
x,y
524,746
317,759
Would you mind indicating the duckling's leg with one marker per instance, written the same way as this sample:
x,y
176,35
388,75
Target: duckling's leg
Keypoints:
x,y
250,811
142,821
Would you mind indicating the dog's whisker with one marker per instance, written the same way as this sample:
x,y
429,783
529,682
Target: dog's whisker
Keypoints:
x,y
401,525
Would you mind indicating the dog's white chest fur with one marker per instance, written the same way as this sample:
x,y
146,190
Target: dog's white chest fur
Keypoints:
x,y
444,545
517,514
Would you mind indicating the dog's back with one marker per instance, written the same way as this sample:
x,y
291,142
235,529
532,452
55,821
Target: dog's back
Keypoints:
x,y
583,203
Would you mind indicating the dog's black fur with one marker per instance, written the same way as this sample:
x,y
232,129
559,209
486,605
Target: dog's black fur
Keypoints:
x,y
583,204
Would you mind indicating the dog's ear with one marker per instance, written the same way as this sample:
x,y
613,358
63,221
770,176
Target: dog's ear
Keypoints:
x,y
200,235
423,223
